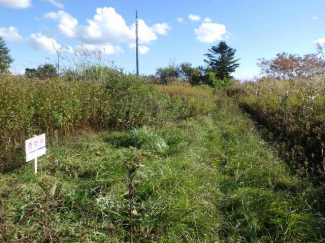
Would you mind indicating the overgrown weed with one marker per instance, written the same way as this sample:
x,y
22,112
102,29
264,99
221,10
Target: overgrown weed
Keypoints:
x,y
292,114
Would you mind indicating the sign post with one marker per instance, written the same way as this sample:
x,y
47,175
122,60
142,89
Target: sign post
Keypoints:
x,y
35,147
35,166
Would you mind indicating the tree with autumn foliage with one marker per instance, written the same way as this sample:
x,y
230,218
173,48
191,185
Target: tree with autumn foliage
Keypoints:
x,y
291,66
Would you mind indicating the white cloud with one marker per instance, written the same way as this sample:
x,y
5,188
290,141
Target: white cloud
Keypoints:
x,y
15,3
320,41
315,17
161,29
146,34
207,20
56,3
180,20
106,26
194,17
67,23
107,49
11,34
142,49
210,32
41,42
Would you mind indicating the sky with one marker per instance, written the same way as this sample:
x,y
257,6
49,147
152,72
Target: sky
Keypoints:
x,y
170,31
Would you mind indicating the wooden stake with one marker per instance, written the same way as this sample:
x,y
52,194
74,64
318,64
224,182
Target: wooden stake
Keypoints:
x,y
35,166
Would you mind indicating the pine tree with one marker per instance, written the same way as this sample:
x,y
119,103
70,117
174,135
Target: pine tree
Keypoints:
x,y
221,60
5,58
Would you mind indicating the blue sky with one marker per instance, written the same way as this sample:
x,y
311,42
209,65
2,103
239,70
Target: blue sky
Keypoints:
x,y
170,31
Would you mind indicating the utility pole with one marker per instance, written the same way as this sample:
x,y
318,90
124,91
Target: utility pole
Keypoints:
x,y
137,40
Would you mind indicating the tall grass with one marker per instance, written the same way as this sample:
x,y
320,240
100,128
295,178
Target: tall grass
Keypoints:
x,y
189,101
30,107
84,65
293,113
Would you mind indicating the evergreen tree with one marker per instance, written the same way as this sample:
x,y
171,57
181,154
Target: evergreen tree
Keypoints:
x,y
221,60
5,58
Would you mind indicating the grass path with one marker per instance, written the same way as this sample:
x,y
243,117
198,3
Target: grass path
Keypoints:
x,y
205,179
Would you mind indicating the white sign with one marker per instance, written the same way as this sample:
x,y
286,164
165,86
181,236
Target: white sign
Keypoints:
x,y
35,147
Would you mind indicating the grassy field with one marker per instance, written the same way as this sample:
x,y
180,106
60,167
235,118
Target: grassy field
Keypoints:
x,y
202,174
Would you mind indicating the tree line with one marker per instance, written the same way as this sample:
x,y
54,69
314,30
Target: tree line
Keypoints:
x,y
220,60
220,64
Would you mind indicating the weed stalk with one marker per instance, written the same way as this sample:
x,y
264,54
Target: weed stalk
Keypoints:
x,y
132,166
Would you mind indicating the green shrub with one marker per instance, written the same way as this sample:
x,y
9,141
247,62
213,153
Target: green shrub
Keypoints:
x,y
31,73
219,83
43,72
168,74
134,102
141,138
202,76
46,71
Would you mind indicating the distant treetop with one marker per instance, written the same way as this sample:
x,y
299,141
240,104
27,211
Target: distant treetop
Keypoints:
x,y
221,59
